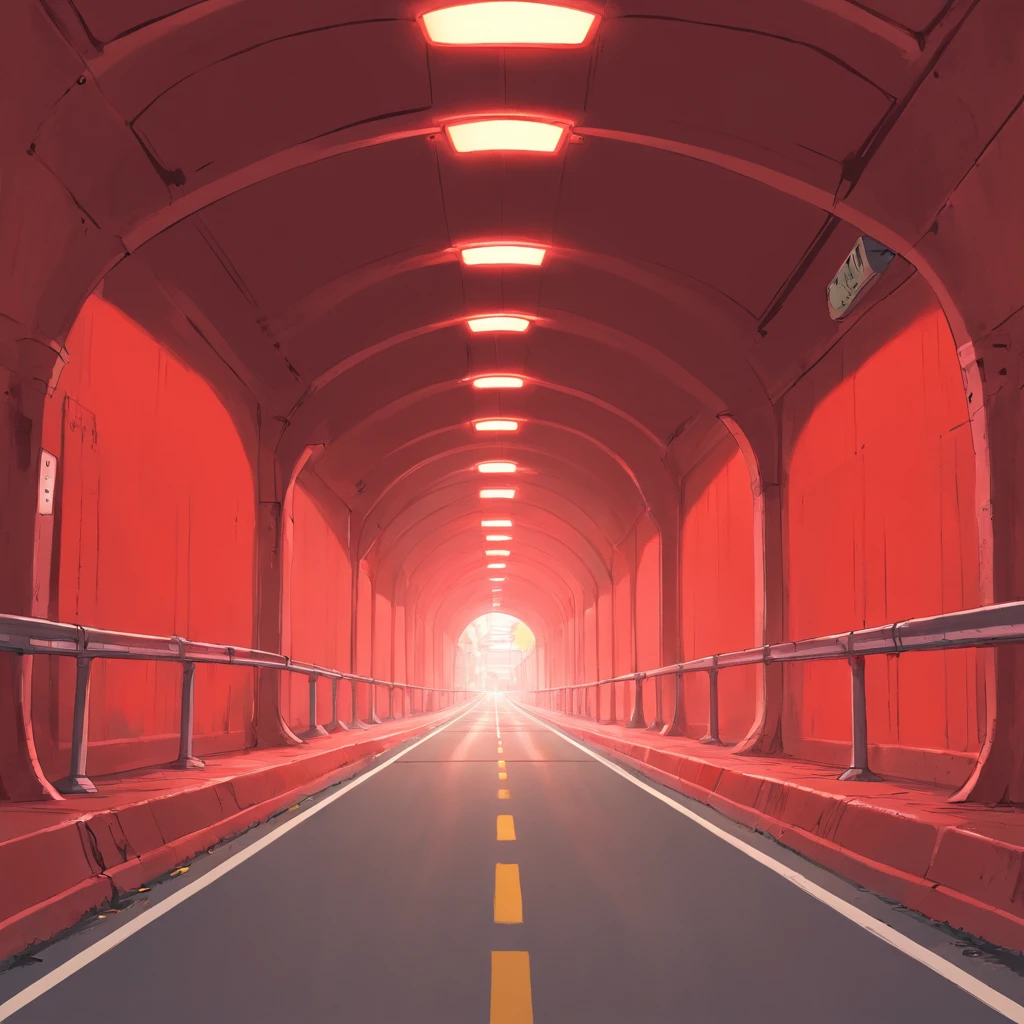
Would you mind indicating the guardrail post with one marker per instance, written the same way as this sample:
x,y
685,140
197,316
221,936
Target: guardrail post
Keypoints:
x,y
188,695
858,770
391,703
373,718
677,727
711,736
77,781
637,721
335,724
355,723
597,702
659,722
314,730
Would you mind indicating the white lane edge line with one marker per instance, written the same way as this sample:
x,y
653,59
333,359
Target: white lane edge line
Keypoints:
x,y
72,966
991,997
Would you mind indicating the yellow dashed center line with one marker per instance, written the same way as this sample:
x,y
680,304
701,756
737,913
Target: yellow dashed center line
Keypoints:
x,y
511,994
511,999
508,897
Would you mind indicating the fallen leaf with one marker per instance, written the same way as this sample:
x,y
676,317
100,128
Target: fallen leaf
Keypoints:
x,y
294,807
178,871
143,888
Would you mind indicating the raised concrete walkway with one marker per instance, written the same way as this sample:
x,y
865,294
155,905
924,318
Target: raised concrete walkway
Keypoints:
x,y
62,860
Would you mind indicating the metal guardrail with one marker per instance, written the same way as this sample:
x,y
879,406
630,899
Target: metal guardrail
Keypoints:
x,y
19,635
976,627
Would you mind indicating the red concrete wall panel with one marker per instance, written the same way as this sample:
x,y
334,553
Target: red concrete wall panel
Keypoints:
x,y
717,584
320,608
879,526
154,533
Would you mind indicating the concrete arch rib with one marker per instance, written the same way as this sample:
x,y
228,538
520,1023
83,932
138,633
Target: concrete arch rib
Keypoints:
x,y
385,467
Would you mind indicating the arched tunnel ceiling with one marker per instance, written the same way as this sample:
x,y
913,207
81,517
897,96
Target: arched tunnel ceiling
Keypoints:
x,y
293,195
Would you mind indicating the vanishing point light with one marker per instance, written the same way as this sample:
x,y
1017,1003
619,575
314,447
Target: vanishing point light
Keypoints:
x,y
508,23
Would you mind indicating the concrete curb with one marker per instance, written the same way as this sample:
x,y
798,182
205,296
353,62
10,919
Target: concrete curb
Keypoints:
x,y
67,870
970,881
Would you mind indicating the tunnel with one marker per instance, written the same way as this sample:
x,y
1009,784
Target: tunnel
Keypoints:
x,y
590,430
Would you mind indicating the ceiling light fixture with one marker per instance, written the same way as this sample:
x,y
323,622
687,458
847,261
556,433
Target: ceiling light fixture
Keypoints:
x,y
490,383
496,467
496,565
497,579
508,23
497,553
497,536
502,255
495,522
498,492
505,135
484,425
496,324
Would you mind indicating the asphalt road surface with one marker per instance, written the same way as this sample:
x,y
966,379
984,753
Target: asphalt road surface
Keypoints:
x,y
405,897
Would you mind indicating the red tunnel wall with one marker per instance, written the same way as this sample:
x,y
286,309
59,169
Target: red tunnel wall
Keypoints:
x,y
154,527
320,608
717,586
878,526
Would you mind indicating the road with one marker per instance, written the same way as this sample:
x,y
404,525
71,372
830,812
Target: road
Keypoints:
x,y
395,900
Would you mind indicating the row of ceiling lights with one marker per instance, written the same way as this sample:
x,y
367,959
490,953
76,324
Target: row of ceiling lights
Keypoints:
x,y
504,23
